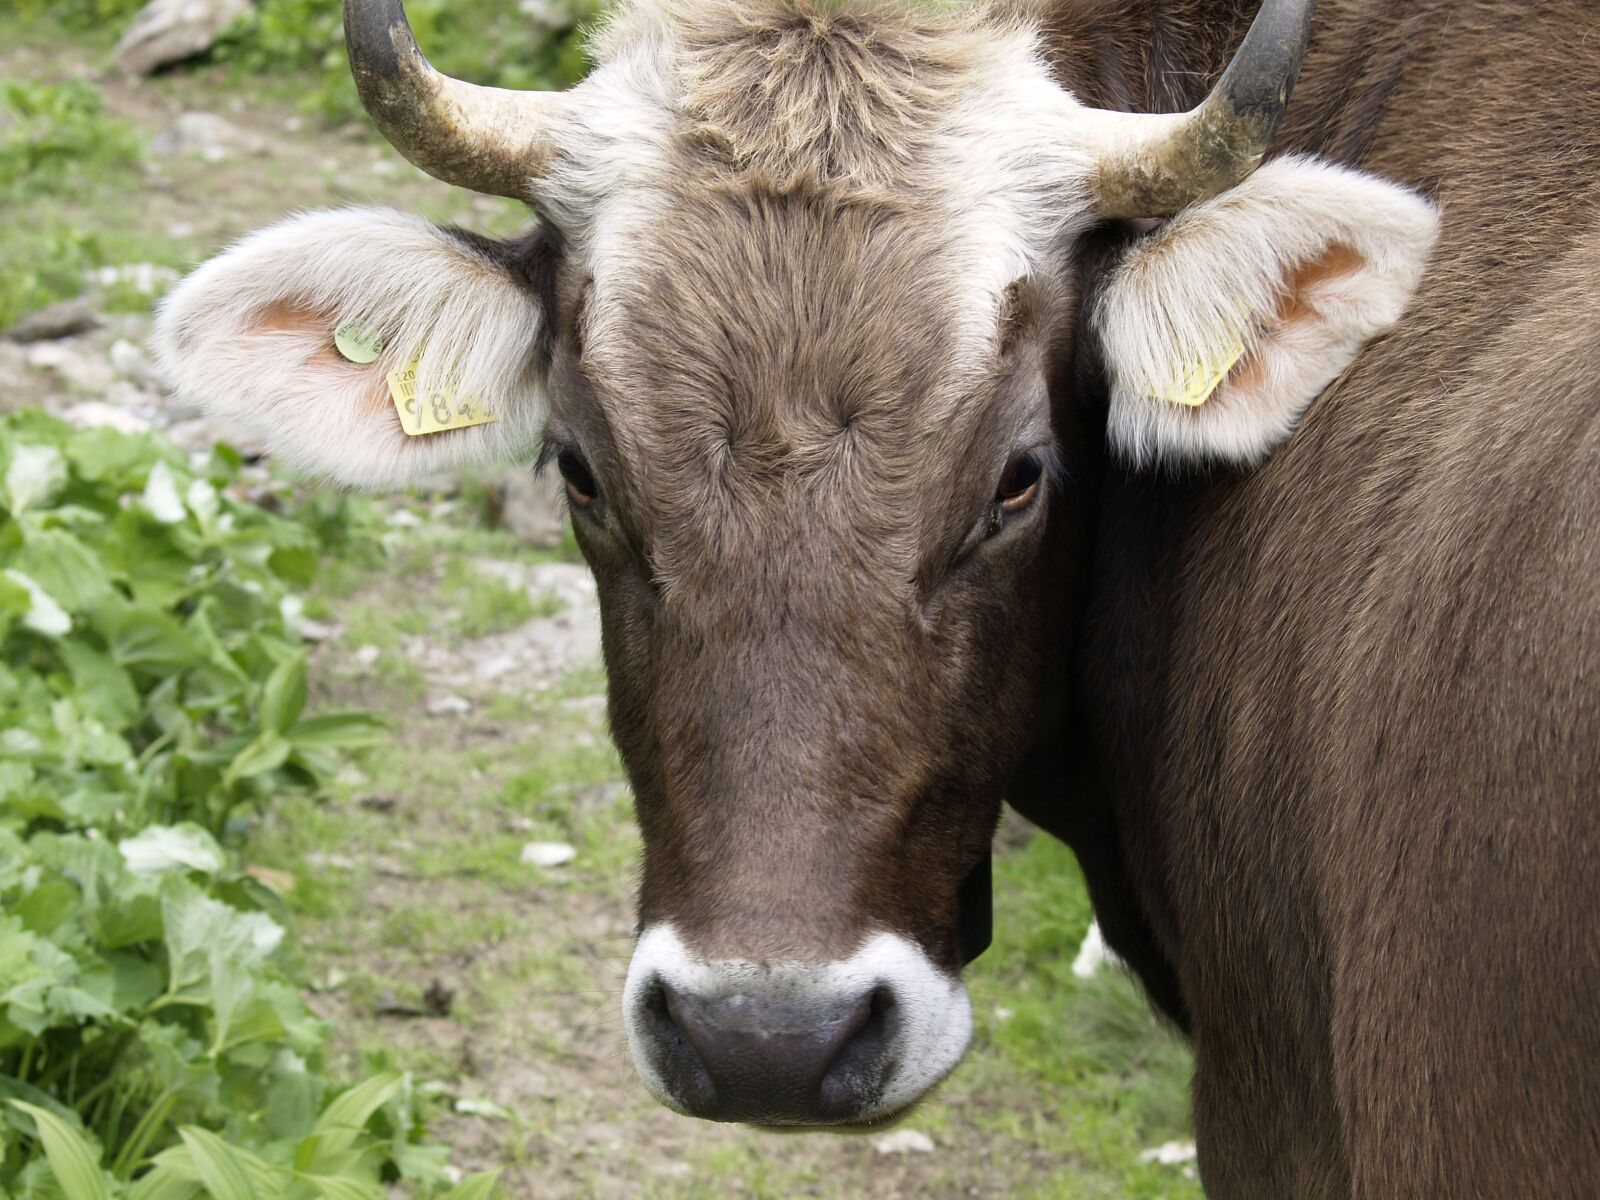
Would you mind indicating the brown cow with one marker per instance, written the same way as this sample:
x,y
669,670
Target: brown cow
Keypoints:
x,y
919,467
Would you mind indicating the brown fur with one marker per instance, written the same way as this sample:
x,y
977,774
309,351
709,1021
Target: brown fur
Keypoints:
x,y
1343,713
1326,738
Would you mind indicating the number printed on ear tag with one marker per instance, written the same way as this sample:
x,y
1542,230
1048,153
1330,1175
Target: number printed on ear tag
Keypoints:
x,y
436,412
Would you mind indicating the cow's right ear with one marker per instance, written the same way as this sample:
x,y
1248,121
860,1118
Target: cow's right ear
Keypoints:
x,y
250,337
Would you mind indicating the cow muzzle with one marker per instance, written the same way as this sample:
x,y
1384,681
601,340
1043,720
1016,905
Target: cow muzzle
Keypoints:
x,y
839,1043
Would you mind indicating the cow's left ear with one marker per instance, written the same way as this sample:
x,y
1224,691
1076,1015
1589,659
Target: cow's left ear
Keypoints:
x,y
1219,329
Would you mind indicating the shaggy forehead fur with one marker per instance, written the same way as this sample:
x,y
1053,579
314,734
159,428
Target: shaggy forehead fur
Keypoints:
x,y
800,270
826,386
846,92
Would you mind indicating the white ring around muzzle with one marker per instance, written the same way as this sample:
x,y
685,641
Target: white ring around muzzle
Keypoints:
x,y
934,1013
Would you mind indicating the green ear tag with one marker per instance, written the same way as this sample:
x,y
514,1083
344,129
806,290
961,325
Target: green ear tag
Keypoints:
x,y
358,342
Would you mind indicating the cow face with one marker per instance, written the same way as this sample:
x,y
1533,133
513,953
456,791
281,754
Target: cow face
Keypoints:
x,y
816,504
786,332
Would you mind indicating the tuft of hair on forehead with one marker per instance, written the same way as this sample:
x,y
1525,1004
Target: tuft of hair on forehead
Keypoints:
x,y
822,92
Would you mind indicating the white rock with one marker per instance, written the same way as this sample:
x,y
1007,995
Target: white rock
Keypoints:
x,y
449,706
92,414
169,31
67,318
368,656
404,518
903,1141
495,666
87,372
1169,1154
547,854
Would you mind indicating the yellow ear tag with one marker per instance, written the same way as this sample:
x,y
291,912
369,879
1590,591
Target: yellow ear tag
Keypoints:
x,y
1200,380
436,412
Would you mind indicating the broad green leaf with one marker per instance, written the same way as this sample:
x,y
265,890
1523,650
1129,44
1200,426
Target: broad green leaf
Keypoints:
x,y
338,731
284,696
340,1187
205,937
344,1119
163,1183
65,568
34,474
164,847
71,1160
266,753
161,497
102,688
219,1166
145,638
44,613
475,1187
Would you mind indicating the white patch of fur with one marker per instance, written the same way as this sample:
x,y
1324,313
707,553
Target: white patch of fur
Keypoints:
x,y
1010,181
419,287
934,1014
1216,273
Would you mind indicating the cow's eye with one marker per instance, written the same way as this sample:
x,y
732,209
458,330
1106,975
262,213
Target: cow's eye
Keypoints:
x,y
581,488
1020,484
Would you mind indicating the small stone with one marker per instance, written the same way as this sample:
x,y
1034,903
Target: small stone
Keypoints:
x,y
318,631
495,666
547,854
903,1141
66,319
86,372
368,655
404,518
449,706
1169,1154
94,414
169,31
520,824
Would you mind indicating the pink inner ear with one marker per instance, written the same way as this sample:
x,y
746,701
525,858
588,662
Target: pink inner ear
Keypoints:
x,y
311,332
1297,302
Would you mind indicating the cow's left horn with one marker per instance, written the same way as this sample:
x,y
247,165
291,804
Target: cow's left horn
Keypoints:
x,y
1152,165
487,139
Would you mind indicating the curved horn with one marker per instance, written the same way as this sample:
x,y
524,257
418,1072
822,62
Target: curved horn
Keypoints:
x,y
487,139
1152,165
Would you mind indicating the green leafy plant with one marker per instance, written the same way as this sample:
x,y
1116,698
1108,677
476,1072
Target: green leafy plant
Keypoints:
x,y
153,699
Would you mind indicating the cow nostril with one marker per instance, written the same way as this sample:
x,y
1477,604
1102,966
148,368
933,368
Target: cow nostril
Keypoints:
x,y
678,1059
863,1056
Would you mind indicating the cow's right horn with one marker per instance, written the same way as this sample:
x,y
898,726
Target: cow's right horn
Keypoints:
x,y
1153,164
487,139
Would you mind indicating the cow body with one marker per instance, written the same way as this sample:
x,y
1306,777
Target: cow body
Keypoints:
x,y
1332,761
920,464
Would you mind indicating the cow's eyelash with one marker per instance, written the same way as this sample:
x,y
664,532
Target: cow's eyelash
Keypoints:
x,y
549,451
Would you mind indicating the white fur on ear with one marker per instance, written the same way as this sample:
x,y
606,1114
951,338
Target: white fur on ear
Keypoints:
x,y
249,336
1277,283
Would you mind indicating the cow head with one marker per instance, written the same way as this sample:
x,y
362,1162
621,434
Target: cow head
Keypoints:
x,y
786,327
